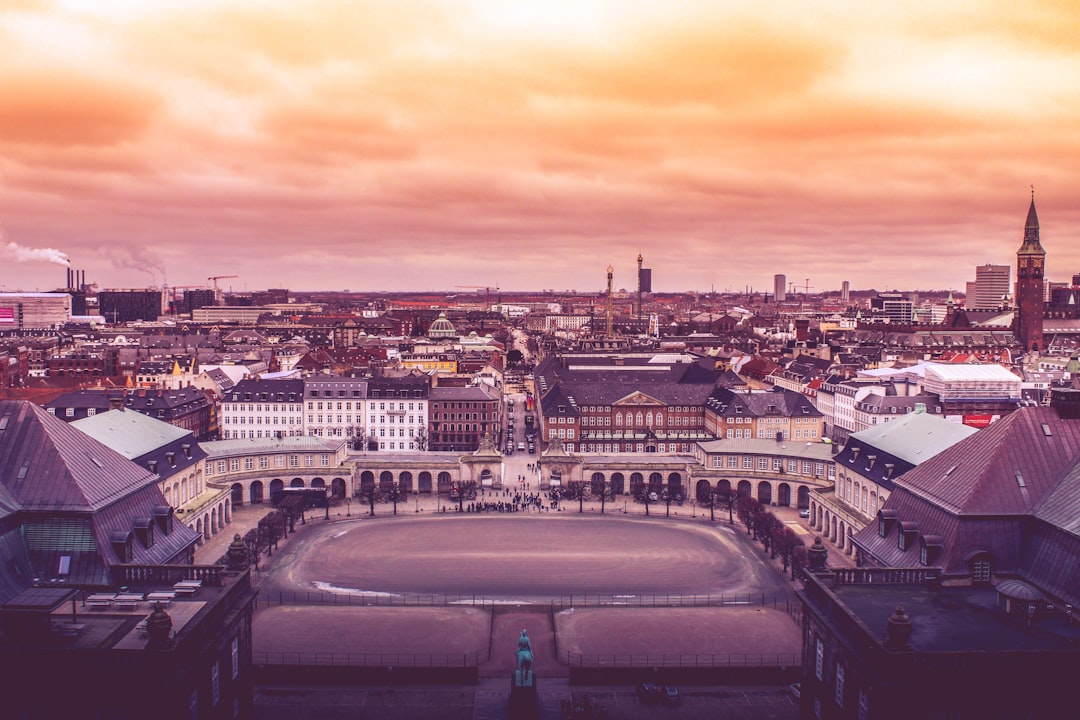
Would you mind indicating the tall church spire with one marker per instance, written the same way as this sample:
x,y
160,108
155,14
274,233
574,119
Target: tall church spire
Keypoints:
x,y
1030,285
1031,245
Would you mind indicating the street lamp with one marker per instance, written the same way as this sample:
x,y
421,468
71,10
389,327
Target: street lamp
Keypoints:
x,y
348,507
416,497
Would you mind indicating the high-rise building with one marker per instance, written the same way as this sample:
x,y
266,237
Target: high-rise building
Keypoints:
x,y
1030,286
845,291
780,288
992,284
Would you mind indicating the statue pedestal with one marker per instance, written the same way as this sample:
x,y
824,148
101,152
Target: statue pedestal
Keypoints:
x,y
524,702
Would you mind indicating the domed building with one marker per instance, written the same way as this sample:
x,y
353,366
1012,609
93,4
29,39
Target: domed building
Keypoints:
x,y
442,328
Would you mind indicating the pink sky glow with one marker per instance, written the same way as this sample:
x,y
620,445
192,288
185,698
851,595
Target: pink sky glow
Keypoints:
x,y
423,144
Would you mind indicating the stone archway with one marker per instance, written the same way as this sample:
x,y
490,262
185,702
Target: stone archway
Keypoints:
x,y
618,484
367,480
297,483
405,480
276,486
237,494
783,495
702,490
424,482
636,481
723,487
445,482
256,492
803,497
337,487
744,488
318,483
486,478
764,492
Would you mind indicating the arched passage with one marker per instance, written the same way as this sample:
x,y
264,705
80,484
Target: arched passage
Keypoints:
x,y
318,483
744,488
486,479
386,478
618,484
723,487
444,482
425,482
297,483
276,485
655,479
337,487
256,492
804,497
702,490
764,492
405,480
237,494
367,480
783,495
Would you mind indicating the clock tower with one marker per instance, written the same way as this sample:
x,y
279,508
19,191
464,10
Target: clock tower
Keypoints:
x,y
1030,285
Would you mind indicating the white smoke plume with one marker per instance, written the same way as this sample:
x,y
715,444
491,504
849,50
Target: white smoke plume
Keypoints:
x,y
20,253
138,258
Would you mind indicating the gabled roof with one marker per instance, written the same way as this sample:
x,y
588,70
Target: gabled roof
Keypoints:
x,y
1007,468
49,466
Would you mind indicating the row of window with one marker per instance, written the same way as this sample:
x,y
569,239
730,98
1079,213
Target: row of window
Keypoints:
x,y
630,447
808,468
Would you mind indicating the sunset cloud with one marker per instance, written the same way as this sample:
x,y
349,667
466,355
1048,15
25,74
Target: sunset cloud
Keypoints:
x,y
427,144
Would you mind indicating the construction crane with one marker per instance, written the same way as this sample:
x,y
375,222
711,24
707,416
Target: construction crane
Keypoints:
x,y
217,290
487,292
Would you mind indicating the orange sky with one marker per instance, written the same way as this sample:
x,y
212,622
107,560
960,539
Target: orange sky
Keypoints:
x,y
401,144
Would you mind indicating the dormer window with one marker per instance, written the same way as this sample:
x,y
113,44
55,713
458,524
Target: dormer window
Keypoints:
x,y
889,469
908,532
870,460
171,457
187,451
886,520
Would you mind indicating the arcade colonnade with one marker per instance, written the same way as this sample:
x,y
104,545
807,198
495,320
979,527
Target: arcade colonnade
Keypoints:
x,y
436,472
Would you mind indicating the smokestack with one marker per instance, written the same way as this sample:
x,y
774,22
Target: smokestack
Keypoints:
x,y
68,286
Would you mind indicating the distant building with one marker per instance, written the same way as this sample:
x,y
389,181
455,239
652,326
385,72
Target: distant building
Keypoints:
x,y
188,408
462,416
780,288
992,287
20,311
120,306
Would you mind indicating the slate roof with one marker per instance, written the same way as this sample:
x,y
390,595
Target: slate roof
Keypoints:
x,y
1011,489
774,403
279,390
1006,469
49,466
74,496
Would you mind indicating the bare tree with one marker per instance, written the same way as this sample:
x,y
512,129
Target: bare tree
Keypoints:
x,y
602,490
396,493
421,438
577,490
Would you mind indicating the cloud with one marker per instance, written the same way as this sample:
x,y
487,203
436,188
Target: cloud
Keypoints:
x,y
61,110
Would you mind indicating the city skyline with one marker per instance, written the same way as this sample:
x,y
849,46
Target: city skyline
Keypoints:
x,y
526,145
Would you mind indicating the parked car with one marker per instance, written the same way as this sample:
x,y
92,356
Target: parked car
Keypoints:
x,y
804,513
648,693
671,695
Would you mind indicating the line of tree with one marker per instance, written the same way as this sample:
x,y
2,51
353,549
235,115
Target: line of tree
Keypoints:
x,y
776,537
